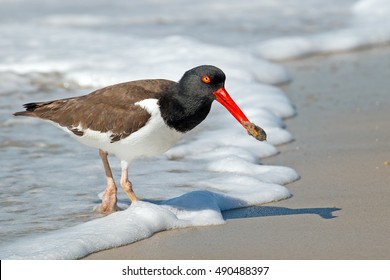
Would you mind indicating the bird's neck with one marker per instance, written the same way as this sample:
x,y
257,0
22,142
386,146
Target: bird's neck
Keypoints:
x,y
183,111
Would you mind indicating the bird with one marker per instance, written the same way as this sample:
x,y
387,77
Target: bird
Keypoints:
x,y
139,119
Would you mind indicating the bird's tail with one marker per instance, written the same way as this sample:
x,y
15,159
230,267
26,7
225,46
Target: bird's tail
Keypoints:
x,y
30,109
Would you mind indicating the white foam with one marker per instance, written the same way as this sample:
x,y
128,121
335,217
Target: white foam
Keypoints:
x,y
141,220
128,57
371,12
369,26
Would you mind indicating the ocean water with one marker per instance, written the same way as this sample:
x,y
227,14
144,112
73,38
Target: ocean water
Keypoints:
x,y
50,184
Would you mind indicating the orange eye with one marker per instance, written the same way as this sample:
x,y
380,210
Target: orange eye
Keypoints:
x,y
206,79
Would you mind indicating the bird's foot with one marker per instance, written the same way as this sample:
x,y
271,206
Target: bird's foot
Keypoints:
x,y
107,209
109,202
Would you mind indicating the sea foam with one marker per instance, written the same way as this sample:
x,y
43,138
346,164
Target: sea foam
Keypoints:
x,y
368,26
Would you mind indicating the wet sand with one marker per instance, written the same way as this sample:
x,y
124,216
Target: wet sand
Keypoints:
x,y
340,207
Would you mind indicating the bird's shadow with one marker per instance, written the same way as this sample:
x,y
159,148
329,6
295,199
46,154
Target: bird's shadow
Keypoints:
x,y
202,199
267,211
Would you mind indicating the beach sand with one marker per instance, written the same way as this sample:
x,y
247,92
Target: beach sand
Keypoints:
x,y
340,207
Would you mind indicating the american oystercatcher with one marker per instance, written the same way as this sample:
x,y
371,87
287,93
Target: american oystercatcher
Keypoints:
x,y
139,119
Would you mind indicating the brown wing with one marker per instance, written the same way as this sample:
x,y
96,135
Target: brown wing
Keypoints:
x,y
107,109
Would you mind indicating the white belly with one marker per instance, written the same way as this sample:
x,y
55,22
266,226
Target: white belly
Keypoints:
x,y
151,140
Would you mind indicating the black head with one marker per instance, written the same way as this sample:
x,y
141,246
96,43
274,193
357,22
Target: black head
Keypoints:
x,y
203,80
187,103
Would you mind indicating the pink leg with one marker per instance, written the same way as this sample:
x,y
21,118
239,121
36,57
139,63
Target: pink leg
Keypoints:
x,y
109,198
126,184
